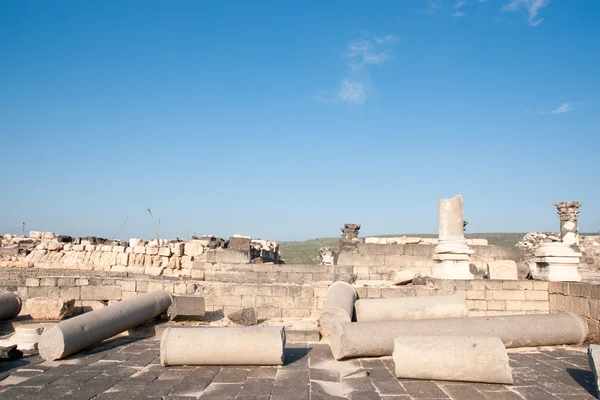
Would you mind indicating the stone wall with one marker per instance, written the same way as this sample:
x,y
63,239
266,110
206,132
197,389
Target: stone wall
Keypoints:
x,y
380,261
172,258
579,298
280,298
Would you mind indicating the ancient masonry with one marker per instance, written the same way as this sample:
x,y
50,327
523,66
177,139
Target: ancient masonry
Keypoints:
x,y
412,299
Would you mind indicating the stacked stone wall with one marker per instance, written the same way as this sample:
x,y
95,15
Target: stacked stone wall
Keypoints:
x,y
282,299
374,261
579,298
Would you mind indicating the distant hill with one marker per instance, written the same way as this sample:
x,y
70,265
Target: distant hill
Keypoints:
x,y
307,252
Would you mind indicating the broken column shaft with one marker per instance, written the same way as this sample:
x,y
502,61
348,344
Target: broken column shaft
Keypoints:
x,y
403,308
374,339
75,334
452,358
222,346
339,305
10,306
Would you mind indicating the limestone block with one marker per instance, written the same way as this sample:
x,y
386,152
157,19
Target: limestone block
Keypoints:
x,y
245,316
41,246
186,308
152,251
403,308
90,247
75,334
35,234
178,248
223,346
404,276
374,339
78,247
139,249
10,306
452,358
164,252
134,242
122,259
594,360
556,249
154,271
193,248
174,262
48,235
52,246
339,305
42,308
502,270
118,249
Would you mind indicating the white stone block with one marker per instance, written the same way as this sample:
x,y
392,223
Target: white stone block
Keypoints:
x,y
503,270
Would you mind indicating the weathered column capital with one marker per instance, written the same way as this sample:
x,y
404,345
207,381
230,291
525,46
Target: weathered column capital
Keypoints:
x,y
568,210
350,231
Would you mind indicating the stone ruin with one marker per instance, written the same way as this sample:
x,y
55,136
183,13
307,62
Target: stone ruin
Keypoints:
x,y
475,316
174,258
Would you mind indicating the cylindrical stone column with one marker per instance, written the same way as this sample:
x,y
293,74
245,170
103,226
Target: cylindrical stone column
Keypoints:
x,y
450,220
339,305
568,212
452,358
404,308
10,306
374,339
222,346
75,334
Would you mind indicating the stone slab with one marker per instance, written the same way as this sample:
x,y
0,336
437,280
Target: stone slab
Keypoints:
x,y
190,308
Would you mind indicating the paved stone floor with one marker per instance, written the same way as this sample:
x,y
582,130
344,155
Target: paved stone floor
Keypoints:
x,y
126,368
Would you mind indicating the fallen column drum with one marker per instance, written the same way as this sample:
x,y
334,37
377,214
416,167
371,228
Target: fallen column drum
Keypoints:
x,y
75,334
222,346
374,339
452,358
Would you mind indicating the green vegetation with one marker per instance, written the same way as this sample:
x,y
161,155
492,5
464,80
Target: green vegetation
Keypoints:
x,y
307,252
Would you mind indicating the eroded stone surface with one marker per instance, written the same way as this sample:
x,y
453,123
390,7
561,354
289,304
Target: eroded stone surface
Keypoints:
x,y
43,308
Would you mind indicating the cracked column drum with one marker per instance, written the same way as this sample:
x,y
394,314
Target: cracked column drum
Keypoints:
x,y
10,306
75,334
339,305
222,346
452,358
403,308
374,339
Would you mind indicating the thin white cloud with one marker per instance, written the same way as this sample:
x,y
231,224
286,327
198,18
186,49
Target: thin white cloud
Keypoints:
x,y
355,87
563,108
459,14
459,4
353,92
566,107
532,7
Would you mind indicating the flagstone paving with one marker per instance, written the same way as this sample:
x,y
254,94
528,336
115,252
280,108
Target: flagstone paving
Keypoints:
x,y
126,368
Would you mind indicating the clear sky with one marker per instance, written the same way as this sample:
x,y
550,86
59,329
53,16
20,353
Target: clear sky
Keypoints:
x,y
284,120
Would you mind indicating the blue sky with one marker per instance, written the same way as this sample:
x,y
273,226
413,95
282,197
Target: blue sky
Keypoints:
x,y
284,120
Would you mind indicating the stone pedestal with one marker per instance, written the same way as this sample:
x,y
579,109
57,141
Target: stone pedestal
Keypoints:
x,y
26,337
568,212
556,262
452,253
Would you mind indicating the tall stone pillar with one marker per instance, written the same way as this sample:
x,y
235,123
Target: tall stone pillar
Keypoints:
x,y
568,212
452,253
